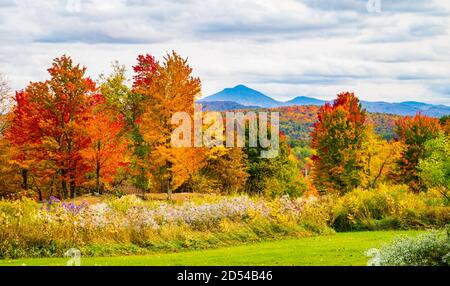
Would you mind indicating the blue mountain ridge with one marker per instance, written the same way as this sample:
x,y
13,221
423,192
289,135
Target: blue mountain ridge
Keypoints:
x,y
242,96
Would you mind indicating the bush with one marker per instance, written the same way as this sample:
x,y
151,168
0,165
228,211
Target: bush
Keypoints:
x,y
316,215
388,207
430,249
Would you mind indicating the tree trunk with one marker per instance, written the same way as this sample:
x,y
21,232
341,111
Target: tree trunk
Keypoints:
x,y
443,192
169,181
169,191
38,189
97,178
40,195
64,184
380,171
169,187
25,179
72,186
97,170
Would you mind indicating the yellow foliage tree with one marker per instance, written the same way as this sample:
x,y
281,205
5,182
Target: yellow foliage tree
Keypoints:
x,y
379,158
170,88
226,168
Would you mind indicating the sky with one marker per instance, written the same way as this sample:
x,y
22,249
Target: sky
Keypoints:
x,y
383,50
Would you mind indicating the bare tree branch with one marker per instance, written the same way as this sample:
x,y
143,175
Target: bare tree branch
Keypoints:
x,y
5,101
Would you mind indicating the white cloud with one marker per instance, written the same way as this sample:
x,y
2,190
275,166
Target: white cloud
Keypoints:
x,y
284,48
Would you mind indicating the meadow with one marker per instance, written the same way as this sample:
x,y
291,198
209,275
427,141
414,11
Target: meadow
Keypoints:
x,y
342,249
128,225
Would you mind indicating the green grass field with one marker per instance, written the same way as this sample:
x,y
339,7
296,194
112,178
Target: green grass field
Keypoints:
x,y
339,249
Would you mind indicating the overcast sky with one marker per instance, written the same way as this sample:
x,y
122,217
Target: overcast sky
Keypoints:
x,y
284,48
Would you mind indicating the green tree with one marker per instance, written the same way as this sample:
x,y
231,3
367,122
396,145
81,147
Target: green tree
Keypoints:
x,y
434,168
274,176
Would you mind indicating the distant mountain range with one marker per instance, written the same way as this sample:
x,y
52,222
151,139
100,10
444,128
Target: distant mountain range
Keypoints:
x,y
241,97
225,105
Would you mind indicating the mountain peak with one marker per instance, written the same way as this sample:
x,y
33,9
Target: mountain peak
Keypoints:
x,y
241,86
243,95
304,100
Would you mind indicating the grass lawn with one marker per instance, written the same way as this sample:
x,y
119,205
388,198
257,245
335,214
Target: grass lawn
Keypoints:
x,y
340,249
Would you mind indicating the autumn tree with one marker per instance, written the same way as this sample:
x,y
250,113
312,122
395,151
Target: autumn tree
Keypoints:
x,y
445,123
49,124
130,104
8,172
9,175
170,88
226,169
379,158
26,140
414,132
108,147
338,137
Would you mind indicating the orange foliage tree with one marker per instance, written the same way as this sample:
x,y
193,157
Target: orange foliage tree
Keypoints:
x,y
8,175
169,88
48,126
445,123
338,137
414,132
108,148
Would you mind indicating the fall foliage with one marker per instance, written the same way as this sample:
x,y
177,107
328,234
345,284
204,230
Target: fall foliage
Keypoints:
x,y
169,88
379,159
414,132
338,137
108,148
67,136
130,105
48,127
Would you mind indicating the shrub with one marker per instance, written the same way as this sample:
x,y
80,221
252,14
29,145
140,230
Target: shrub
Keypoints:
x,y
430,249
316,214
387,207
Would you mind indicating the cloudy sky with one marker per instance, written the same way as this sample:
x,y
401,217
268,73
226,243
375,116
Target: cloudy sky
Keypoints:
x,y
284,48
